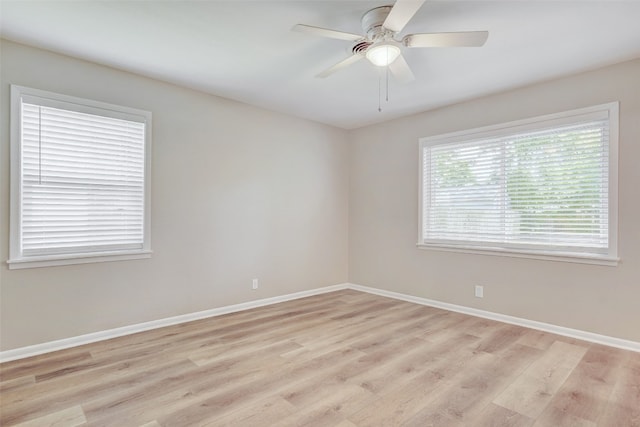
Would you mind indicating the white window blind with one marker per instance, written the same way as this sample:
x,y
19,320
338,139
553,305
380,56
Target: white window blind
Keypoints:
x,y
82,179
539,186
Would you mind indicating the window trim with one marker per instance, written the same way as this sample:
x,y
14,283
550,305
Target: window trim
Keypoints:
x,y
16,259
534,123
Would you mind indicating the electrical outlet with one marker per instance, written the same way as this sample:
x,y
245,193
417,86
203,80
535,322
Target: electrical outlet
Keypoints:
x,y
479,291
254,284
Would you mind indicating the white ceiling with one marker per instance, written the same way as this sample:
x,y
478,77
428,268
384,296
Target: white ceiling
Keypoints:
x,y
244,50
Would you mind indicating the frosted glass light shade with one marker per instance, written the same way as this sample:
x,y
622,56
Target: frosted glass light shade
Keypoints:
x,y
383,54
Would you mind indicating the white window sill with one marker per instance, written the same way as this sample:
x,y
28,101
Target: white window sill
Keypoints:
x,y
69,259
514,253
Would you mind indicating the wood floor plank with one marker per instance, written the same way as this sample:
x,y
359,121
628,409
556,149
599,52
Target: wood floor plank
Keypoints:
x,y
345,358
432,419
555,417
92,380
339,397
315,418
497,416
394,408
69,417
623,405
468,392
443,322
537,339
585,393
500,338
80,391
216,383
336,382
270,411
153,400
248,391
416,360
533,390
16,383
43,364
260,349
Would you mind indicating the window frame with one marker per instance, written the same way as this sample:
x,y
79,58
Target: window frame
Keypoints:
x,y
17,260
511,128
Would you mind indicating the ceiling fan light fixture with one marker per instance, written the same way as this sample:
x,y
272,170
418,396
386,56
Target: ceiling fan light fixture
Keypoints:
x,y
383,54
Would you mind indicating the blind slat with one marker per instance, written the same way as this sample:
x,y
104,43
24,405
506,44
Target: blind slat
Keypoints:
x,y
82,181
540,188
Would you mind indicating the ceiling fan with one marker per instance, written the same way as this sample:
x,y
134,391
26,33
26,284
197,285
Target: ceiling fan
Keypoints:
x,y
379,44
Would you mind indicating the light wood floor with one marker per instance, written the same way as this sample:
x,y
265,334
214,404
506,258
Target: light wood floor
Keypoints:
x,y
339,359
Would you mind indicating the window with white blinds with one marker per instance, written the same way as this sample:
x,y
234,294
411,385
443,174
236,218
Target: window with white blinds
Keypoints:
x,y
79,186
545,186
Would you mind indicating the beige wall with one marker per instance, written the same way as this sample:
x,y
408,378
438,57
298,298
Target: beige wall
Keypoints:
x,y
237,192
383,209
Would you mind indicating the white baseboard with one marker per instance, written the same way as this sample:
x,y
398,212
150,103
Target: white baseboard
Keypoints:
x,y
34,350
546,327
47,347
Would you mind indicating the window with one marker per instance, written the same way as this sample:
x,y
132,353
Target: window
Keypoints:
x,y
79,180
543,188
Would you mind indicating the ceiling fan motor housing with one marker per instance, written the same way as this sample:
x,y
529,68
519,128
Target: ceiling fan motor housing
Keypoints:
x,y
372,22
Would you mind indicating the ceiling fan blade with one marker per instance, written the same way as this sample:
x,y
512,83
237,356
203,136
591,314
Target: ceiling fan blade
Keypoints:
x,y
401,70
342,64
459,39
325,32
401,13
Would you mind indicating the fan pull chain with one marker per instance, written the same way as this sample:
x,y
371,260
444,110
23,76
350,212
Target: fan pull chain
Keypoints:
x,y
379,93
386,88
387,67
